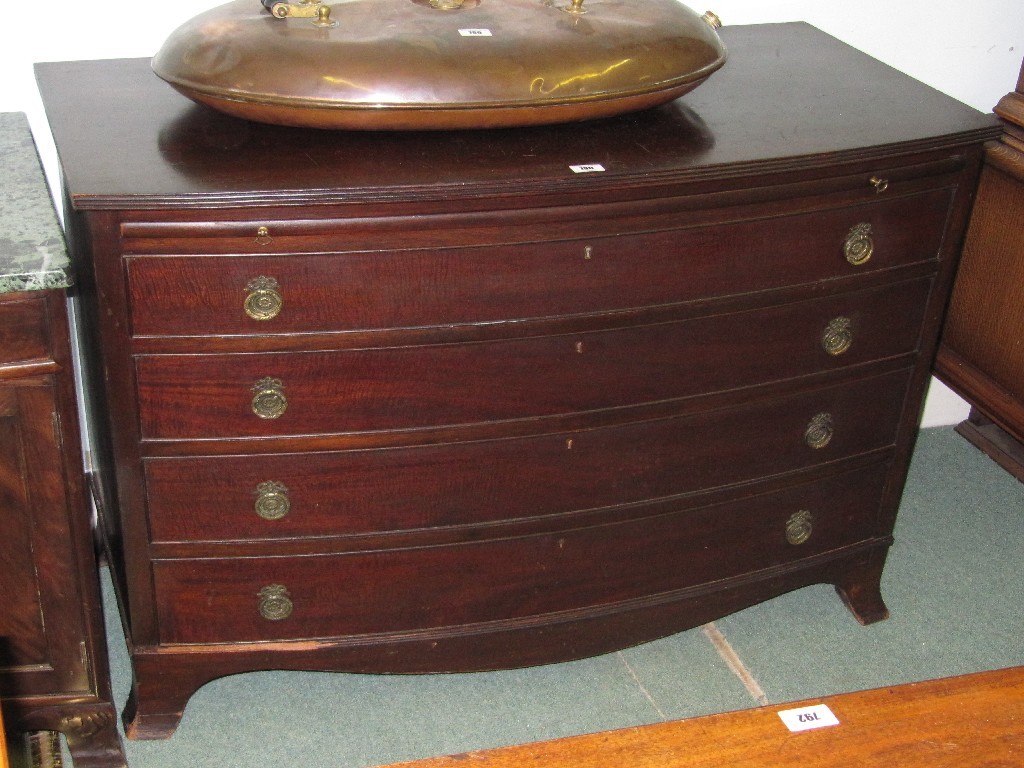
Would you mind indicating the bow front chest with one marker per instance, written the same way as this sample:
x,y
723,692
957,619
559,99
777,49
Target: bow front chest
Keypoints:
x,y
395,402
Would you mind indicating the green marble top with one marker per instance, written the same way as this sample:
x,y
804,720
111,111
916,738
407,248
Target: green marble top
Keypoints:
x,y
32,252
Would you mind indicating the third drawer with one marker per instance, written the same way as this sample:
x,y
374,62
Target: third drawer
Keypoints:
x,y
349,493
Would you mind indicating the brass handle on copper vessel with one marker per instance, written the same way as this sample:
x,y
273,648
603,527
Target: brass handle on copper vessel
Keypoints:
x,y
799,527
838,336
711,18
275,602
858,246
306,9
268,400
303,9
819,431
264,300
272,502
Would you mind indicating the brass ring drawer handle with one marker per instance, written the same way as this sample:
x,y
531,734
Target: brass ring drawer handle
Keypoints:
x,y
819,431
268,400
275,602
263,300
859,245
272,502
838,336
799,527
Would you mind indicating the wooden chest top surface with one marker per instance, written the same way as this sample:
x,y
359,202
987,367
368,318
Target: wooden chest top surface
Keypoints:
x,y
787,94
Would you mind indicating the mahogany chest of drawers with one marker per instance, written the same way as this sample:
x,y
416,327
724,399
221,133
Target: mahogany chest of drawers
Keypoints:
x,y
428,402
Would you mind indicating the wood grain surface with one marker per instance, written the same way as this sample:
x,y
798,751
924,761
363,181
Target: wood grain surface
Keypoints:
x,y
959,722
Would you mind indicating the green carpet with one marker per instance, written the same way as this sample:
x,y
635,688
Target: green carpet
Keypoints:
x,y
953,583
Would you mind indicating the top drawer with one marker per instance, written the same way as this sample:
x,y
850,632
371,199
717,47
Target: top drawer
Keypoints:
x,y
204,295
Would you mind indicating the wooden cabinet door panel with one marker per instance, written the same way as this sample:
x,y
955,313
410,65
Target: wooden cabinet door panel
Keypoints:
x,y
40,653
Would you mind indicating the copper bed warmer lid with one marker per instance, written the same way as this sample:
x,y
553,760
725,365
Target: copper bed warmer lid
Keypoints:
x,y
439,64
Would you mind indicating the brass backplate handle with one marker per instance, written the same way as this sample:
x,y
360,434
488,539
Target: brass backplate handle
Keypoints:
x,y
302,9
272,502
263,300
799,527
317,11
268,400
819,431
859,245
838,336
275,602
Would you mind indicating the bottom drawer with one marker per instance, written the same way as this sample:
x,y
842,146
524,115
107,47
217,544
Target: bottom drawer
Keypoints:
x,y
514,579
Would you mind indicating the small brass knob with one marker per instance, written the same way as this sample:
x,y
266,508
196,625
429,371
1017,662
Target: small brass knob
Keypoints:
x,y
858,246
263,236
272,501
275,602
268,400
575,6
799,527
712,19
264,301
819,431
879,184
323,17
838,336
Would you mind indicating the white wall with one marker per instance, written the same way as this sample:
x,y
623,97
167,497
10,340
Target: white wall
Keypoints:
x,y
969,50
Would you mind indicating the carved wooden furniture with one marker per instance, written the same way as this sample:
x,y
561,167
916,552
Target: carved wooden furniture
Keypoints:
x,y
53,663
420,402
981,356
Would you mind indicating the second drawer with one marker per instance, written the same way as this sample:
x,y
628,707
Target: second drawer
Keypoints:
x,y
415,387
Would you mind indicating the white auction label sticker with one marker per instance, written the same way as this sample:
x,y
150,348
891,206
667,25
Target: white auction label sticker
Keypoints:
x,y
475,32
589,168
806,718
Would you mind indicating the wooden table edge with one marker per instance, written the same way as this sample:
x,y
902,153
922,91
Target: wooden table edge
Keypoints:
x,y
963,721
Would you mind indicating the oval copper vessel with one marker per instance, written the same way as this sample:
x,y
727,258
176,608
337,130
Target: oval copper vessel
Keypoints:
x,y
438,64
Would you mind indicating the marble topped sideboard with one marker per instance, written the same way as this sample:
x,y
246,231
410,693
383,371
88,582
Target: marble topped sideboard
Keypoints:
x,y
32,252
53,665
